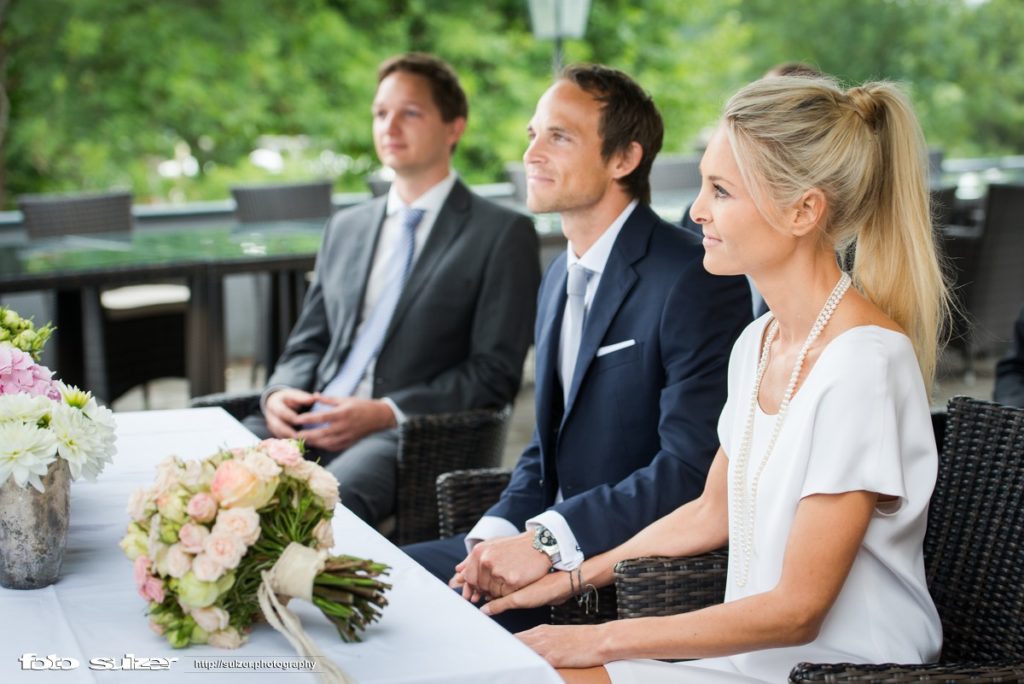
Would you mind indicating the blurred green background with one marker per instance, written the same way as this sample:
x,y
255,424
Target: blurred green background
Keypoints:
x,y
179,99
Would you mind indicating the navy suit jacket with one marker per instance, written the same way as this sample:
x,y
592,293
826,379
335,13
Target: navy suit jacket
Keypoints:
x,y
638,433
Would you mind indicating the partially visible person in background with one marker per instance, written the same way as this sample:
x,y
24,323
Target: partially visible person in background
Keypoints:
x,y
798,69
1009,387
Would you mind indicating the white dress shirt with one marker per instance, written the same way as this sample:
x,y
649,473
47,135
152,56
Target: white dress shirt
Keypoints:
x,y
594,260
390,236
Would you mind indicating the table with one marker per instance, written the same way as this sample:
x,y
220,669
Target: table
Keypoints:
x,y
77,265
426,634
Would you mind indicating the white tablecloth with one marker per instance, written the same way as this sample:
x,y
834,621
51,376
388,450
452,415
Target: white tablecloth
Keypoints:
x,y
426,634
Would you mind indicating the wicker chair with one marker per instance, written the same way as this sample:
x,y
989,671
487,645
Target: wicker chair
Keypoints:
x,y
132,334
428,446
463,496
974,560
665,586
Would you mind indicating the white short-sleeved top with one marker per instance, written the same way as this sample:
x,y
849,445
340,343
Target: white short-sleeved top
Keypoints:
x,y
860,421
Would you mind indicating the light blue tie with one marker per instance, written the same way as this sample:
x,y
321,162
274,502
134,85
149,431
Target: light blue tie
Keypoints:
x,y
575,315
371,336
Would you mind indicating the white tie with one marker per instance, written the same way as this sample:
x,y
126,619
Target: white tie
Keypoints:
x,y
575,313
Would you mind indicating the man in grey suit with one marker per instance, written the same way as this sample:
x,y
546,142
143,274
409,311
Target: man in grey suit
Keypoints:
x,y
421,302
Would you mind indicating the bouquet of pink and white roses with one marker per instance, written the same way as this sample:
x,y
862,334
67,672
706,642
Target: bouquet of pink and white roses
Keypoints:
x,y
206,540
42,419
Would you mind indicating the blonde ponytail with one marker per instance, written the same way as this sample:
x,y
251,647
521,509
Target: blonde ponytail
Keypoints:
x,y
864,149
895,263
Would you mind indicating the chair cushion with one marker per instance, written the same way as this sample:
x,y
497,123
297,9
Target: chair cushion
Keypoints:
x,y
135,301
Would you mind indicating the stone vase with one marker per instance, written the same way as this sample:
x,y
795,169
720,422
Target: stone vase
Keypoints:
x,y
34,529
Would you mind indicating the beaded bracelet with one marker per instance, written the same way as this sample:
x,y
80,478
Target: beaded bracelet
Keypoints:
x,y
583,593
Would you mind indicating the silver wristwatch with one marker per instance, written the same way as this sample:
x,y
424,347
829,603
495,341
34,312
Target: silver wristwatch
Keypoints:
x,y
546,543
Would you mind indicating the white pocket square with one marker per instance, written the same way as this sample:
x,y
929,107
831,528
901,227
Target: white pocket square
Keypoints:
x,y
602,351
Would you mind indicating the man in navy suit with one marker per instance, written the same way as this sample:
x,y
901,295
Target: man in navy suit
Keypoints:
x,y
627,432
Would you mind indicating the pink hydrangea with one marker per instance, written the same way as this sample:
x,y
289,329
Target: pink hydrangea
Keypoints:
x,y
19,374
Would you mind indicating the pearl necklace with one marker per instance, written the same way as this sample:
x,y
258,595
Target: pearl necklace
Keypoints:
x,y
742,523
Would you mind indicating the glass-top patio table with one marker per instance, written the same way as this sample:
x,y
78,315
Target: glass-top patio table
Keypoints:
x,y
72,265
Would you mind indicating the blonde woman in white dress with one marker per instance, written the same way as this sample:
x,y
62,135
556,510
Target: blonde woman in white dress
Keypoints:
x,y
827,462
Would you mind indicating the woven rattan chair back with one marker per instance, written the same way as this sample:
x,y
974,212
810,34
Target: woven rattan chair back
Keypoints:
x,y
463,496
974,547
293,201
53,215
430,445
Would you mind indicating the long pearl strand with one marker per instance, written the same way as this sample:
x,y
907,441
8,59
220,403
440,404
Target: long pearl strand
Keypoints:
x,y
742,523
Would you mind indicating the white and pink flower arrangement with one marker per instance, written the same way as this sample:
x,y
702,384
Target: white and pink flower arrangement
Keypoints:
x,y
41,418
204,537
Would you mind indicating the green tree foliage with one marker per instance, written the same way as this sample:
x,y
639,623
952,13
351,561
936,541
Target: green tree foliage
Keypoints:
x,y
101,91
961,59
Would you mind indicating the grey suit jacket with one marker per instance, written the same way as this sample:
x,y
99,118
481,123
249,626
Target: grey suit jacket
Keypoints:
x,y
462,325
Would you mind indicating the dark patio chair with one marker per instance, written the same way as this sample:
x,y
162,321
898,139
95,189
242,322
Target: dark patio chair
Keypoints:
x,y
515,172
379,183
428,446
958,250
132,334
279,295
935,157
463,496
996,290
675,174
974,560
283,202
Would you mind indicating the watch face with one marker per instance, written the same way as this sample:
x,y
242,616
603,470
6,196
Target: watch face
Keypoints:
x,y
546,543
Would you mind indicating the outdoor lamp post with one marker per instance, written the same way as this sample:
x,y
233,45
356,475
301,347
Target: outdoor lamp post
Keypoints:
x,y
558,19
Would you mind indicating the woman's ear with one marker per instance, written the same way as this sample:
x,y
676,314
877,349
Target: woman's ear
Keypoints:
x,y
627,160
808,212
